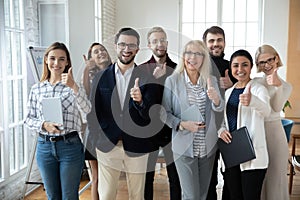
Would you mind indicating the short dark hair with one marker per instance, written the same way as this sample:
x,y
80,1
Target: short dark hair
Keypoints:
x,y
213,30
241,52
127,31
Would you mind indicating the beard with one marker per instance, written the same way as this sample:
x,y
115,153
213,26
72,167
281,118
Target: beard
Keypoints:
x,y
125,62
160,55
217,51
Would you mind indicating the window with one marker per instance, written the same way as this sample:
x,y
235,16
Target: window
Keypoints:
x,y
13,94
52,17
240,19
98,20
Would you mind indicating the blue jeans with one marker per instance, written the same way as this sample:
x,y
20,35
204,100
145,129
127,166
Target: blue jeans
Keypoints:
x,y
60,164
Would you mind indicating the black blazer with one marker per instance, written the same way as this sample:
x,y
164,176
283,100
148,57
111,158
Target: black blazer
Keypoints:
x,y
164,136
108,123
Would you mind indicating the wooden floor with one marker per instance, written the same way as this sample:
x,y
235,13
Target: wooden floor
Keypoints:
x,y
161,188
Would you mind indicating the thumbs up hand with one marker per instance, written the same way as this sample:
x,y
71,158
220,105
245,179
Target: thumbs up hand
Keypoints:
x,y
68,80
160,70
212,93
135,92
273,79
89,63
225,82
245,98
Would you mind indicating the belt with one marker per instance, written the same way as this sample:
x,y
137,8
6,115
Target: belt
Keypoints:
x,y
58,138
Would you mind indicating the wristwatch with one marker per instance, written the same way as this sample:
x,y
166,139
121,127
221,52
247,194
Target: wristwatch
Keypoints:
x,y
179,127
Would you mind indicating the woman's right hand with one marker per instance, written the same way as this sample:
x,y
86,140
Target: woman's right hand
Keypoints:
x,y
89,63
192,126
51,127
226,136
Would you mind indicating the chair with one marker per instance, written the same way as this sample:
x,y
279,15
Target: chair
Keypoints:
x,y
292,164
287,125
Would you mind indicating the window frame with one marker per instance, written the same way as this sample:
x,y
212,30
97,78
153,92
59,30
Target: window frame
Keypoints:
x,y
98,21
9,169
230,47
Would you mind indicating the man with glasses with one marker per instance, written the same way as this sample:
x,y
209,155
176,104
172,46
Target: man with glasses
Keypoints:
x,y
121,99
214,39
160,66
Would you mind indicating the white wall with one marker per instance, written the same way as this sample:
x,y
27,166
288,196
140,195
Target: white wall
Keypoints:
x,y
81,32
144,14
275,33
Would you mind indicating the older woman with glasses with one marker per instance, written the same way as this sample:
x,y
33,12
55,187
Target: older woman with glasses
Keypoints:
x,y
191,87
275,184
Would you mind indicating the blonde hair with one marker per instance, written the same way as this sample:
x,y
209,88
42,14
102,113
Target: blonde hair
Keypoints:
x,y
266,49
155,30
204,70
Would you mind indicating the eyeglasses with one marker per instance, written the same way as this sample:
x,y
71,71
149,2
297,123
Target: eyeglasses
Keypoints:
x,y
123,45
270,61
156,41
197,54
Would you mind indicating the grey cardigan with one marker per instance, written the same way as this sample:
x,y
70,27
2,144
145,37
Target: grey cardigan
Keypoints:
x,y
175,101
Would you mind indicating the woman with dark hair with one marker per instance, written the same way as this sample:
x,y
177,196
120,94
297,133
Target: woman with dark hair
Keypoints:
x,y
60,153
247,104
97,60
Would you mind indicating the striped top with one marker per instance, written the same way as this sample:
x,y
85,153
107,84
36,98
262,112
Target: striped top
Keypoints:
x,y
197,96
70,106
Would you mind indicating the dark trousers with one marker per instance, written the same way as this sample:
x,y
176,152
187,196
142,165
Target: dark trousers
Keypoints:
x,y
212,192
244,185
174,184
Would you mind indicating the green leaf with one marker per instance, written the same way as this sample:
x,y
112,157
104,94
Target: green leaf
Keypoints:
x,y
287,104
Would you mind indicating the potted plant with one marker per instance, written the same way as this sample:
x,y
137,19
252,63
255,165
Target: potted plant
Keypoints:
x,y
286,105
287,123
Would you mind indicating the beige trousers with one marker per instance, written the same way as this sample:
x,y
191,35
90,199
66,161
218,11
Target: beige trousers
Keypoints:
x,y
111,164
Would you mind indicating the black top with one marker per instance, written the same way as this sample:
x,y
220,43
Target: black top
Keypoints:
x,y
222,65
232,108
163,137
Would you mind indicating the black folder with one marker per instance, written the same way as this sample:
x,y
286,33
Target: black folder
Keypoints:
x,y
240,149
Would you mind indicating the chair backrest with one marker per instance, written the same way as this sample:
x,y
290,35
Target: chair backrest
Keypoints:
x,y
287,125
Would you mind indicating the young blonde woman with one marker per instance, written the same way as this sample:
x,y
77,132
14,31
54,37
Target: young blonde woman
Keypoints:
x,y
59,154
275,184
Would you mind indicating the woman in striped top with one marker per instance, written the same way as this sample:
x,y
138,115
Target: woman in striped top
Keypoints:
x,y
193,140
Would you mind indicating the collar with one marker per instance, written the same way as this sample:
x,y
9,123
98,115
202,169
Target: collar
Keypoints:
x,y
168,60
46,82
218,57
187,78
128,71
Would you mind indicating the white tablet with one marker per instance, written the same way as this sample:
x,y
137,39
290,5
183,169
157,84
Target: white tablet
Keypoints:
x,y
52,110
192,113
